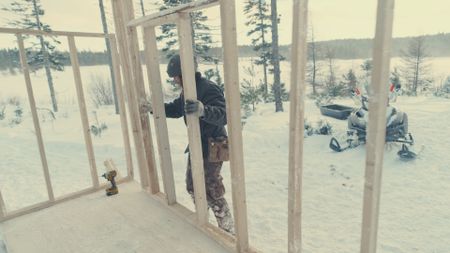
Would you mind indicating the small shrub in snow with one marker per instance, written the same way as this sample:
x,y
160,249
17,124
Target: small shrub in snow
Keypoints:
x,y
2,112
309,130
97,130
100,91
17,119
11,111
321,127
14,101
444,89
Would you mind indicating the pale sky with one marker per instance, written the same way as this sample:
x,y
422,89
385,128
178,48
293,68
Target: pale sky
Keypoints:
x,y
331,19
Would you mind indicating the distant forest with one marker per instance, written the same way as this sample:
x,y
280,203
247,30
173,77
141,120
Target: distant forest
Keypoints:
x,y
437,46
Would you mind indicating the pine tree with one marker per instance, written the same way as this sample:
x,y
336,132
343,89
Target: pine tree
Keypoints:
x,y
416,67
201,33
108,52
350,82
250,91
141,5
395,78
276,58
43,52
9,60
366,67
313,66
258,20
331,78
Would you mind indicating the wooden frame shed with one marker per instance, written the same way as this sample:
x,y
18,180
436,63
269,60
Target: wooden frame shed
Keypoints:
x,y
131,91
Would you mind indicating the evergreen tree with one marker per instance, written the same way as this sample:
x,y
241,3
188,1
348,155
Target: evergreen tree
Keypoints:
x,y
276,58
313,66
43,52
333,87
258,20
416,67
395,78
141,5
366,67
250,92
201,33
108,50
9,60
350,82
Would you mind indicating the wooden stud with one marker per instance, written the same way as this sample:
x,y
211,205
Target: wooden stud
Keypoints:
x,y
138,83
122,107
52,33
83,110
233,100
376,132
188,7
171,18
296,123
159,114
120,29
190,92
37,127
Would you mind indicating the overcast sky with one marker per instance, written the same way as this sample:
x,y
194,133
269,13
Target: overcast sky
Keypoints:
x,y
331,19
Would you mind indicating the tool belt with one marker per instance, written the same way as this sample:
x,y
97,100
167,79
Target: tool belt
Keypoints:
x,y
218,149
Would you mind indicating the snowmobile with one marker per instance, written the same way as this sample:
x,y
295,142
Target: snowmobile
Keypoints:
x,y
396,126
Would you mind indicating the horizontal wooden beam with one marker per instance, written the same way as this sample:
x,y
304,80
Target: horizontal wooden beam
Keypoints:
x,y
169,19
189,7
226,240
52,33
46,204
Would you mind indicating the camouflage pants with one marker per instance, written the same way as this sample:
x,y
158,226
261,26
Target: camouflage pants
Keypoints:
x,y
215,191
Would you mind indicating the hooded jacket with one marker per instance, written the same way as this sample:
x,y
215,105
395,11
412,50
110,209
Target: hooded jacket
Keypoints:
x,y
212,123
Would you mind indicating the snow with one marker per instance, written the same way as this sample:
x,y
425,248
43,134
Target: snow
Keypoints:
x,y
414,211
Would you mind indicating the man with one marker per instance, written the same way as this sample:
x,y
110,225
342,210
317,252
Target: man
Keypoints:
x,y
210,108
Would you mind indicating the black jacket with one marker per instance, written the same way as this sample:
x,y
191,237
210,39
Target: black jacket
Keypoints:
x,y
212,124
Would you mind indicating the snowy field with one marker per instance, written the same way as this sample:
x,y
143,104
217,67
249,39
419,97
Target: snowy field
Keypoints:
x,y
415,207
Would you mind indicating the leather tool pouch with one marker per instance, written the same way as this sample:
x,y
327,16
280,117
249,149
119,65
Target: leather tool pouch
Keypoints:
x,y
218,149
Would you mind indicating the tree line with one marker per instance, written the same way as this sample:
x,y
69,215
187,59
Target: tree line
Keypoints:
x,y
262,22
344,49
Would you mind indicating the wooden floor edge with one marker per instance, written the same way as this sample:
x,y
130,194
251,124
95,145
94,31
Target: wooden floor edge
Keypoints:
x,y
64,198
227,241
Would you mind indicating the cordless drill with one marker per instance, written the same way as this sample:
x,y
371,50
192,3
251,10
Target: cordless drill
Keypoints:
x,y
110,175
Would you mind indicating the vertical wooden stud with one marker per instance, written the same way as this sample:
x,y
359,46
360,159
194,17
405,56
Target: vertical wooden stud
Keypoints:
x,y
120,30
190,92
159,114
141,98
296,123
376,132
122,108
37,127
233,99
83,111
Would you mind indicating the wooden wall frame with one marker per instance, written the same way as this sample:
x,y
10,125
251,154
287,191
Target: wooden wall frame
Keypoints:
x,y
127,60
180,16
52,200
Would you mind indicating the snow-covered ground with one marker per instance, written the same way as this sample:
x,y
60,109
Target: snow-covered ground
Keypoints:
x,y
415,208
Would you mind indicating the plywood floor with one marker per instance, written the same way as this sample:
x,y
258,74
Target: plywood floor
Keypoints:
x,y
130,222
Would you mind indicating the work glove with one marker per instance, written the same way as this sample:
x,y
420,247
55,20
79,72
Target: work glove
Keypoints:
x,y
194,107
147,107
